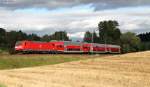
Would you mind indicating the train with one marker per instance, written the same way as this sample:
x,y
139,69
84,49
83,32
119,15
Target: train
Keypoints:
x,y
55,47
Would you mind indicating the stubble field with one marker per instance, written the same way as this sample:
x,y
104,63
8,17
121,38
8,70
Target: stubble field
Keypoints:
x,y
127,70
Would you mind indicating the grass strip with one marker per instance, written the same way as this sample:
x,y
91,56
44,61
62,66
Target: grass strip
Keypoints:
x,y
19,61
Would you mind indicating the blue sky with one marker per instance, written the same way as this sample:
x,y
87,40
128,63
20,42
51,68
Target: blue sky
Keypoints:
x,y
78,8
74,16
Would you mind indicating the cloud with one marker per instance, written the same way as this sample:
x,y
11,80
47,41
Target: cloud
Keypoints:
x,y
79,34
52,4
75,20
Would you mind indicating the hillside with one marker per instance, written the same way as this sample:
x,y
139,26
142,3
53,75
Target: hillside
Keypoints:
x,y
128,70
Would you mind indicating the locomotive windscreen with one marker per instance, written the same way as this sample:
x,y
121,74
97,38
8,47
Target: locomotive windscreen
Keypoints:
x,y
18,43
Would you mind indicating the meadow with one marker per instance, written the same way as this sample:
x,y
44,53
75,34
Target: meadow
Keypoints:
x,y
30,60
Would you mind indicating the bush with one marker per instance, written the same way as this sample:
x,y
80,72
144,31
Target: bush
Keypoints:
x,y
130,42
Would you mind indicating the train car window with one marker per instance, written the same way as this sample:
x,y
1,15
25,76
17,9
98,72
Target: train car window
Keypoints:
x,y
73,49
61,46
97,46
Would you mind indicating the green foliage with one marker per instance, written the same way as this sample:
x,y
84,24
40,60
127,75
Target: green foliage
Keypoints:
x,y
2,37
60,35
145,37
46,38
130,42
95,38
144,46
109,32
91,37
19,61
145,41
88,37
33,37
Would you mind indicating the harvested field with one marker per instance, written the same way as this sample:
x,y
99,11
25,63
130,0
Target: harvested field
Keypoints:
x,y
128,70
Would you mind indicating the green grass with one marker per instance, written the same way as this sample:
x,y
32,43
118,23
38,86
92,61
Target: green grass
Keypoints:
x,y
19,61
2,85
3,50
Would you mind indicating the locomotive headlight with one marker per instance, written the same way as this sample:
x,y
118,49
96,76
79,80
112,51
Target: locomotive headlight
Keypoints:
x,y
18,47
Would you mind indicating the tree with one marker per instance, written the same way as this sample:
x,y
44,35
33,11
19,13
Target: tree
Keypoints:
x,y
2,37
87,37
130,42
34,37
11,38
145,37
46,38
95,38
145,41
21,35
60,35
109,32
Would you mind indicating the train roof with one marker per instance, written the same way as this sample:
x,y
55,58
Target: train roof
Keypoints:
x,y
96,44
66,42
69,43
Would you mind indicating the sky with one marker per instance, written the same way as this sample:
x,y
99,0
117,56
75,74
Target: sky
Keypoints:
x,y
73,16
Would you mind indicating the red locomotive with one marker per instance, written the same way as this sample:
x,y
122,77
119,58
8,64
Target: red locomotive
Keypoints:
x,y
65,47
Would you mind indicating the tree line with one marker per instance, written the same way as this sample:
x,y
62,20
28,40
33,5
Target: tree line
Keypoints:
x,y
108,33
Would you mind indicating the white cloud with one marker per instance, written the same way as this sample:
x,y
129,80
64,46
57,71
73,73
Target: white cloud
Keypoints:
x,y
75,22
51,4
77,34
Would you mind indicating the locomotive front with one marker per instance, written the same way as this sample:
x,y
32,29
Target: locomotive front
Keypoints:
x,y
19,46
